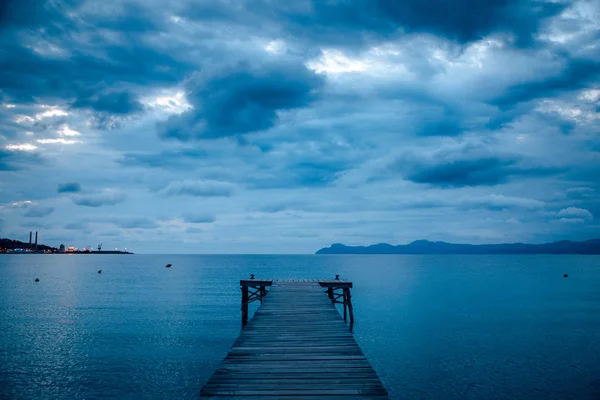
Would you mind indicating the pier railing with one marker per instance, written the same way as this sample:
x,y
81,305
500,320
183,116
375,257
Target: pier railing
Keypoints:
x,y
338,291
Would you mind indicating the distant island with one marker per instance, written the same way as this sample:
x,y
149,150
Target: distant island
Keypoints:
x,y
427,247
8,246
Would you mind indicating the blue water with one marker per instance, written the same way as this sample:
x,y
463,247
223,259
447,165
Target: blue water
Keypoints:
x,y
434,327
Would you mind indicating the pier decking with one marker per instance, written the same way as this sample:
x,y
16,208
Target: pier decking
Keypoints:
x,y
296,346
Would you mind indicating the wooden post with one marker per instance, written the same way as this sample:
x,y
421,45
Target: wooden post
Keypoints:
x,y
350,310
330,294
345,294
263,292
244,305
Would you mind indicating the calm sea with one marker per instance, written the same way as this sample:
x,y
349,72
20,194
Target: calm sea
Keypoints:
x,y
434,327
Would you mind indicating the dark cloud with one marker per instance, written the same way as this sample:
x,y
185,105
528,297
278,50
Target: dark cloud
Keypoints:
x,y
563,124
69,187
164,159
497,202
198,189
38,224
442,127
577,74
55,51
491,202
349,22
314,173
37,211
123,102
242,99
34,13
580,193
27,74
355,23
430,115
505,118
469,164
106,198
463,172
297,174
12,160
77,226
196,218
278,206
135,223
109,233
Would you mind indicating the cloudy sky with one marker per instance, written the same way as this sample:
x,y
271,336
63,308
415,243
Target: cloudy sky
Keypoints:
x,y
268,126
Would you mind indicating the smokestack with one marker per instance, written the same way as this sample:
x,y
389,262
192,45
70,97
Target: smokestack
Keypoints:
x,y
29,237
36,239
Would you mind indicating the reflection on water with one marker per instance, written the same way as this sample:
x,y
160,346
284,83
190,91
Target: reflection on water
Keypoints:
x,y
450,327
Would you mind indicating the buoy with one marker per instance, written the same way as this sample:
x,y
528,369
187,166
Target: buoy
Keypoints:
x,y
168,265
37,279
99,271
565,275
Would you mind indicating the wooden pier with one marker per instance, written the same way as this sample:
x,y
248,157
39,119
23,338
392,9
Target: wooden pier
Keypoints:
x,y
296,346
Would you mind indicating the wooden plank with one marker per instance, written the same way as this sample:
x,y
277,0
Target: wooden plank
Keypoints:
x,y
255,282
324,397
295,346
333,283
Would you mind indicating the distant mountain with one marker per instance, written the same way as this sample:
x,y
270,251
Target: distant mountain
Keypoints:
x,y
427,247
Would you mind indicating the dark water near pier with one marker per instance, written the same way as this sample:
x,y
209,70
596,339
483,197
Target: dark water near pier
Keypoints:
x,y
434,327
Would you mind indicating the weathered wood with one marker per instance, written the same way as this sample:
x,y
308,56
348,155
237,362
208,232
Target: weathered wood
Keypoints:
x,y
348,301
335,283
256,282
244,304
296,346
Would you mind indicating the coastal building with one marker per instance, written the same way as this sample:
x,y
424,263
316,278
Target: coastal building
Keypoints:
x,y
61,249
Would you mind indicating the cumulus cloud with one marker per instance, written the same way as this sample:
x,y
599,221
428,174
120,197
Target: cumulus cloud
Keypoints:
x,y
104,198
198,189
579,214
197,218
69,187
